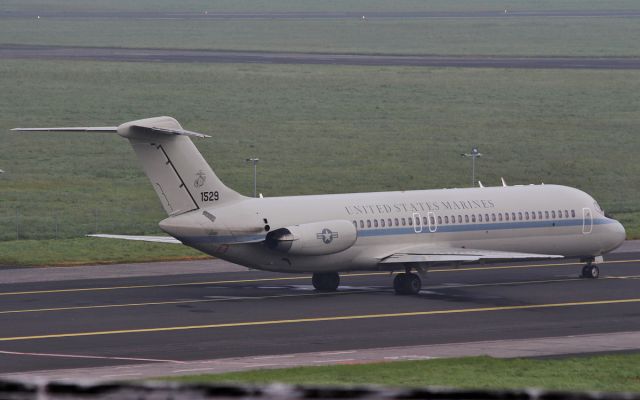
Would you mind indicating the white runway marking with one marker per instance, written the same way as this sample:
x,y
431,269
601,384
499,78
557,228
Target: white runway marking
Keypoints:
x,y
20,353
335,353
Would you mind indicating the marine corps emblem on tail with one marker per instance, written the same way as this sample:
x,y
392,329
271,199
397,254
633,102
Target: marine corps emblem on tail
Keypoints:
x,y
200,178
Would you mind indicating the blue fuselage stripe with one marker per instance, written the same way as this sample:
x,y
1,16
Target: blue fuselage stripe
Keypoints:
x,y
371,232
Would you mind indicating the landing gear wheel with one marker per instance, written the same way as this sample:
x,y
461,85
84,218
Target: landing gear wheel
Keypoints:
x,y
326,281
590,271
407,283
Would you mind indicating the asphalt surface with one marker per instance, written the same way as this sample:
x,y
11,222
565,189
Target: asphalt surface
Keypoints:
x,y
174,319
212,56
205,14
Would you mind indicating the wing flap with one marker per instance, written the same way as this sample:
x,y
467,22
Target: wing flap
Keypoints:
x,y
443,255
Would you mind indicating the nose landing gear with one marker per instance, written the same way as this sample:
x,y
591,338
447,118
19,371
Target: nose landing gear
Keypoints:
x,y
591,270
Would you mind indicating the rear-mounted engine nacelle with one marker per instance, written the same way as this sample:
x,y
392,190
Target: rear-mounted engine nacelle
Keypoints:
x,y
313,239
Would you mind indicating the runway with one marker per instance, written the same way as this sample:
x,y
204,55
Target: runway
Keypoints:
x,y
176,320
115,54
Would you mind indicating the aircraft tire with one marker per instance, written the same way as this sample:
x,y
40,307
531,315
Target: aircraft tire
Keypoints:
x,y
398,283
326,281
406,284
590,271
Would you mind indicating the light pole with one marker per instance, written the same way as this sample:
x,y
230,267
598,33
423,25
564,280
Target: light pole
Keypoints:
x,y
474,154
255,174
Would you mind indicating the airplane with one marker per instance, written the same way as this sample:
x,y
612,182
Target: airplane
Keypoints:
x,y
327,234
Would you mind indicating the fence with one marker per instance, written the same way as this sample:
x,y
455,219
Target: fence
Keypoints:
x,y
37,224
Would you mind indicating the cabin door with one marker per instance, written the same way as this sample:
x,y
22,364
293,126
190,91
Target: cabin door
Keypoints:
x,y
417,223
587,221
431,218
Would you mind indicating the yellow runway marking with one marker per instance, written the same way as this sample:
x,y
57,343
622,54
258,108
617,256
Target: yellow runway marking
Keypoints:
x,y
240,298
292,278
322,319
170,302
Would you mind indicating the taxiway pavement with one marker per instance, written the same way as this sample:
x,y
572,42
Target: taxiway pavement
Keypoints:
x,y
118,54
176,320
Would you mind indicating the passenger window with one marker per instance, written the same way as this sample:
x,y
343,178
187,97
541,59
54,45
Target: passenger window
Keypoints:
x,y
573,213
439,220
506,216
410,221
519,215
389,222
566,213
453,219
397,222
466,218
513,216
382,222
479,217
404,221
526,215
473,218
553,213
417,221
500,217
533,215
546,214
424,221
432,220
493,217
446,219
539,214
375,223
361,224
486,217
368,223
559,213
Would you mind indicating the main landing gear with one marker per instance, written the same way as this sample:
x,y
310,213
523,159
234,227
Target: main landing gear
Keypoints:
x,y
407,283
326,281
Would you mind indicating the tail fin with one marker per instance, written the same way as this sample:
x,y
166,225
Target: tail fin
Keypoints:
x,y
180,176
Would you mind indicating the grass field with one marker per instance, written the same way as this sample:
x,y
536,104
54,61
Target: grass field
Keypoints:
x,y
86,251
614,373
316,129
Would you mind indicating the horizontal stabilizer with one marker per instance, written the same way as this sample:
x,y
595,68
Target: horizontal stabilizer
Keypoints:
x,y
120,129
70,129
179,132
424,254
154,239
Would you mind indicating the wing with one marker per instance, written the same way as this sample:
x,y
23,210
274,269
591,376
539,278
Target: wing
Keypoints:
x,y
424,254
154,239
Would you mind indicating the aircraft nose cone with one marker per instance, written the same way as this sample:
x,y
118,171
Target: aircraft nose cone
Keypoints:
x,y
618,235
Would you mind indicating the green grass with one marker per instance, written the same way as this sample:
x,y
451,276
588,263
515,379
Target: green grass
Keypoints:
x,y
317,129
614,373
458,36
85,251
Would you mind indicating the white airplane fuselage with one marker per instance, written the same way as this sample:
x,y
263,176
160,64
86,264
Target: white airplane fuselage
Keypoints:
x,y
549,219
